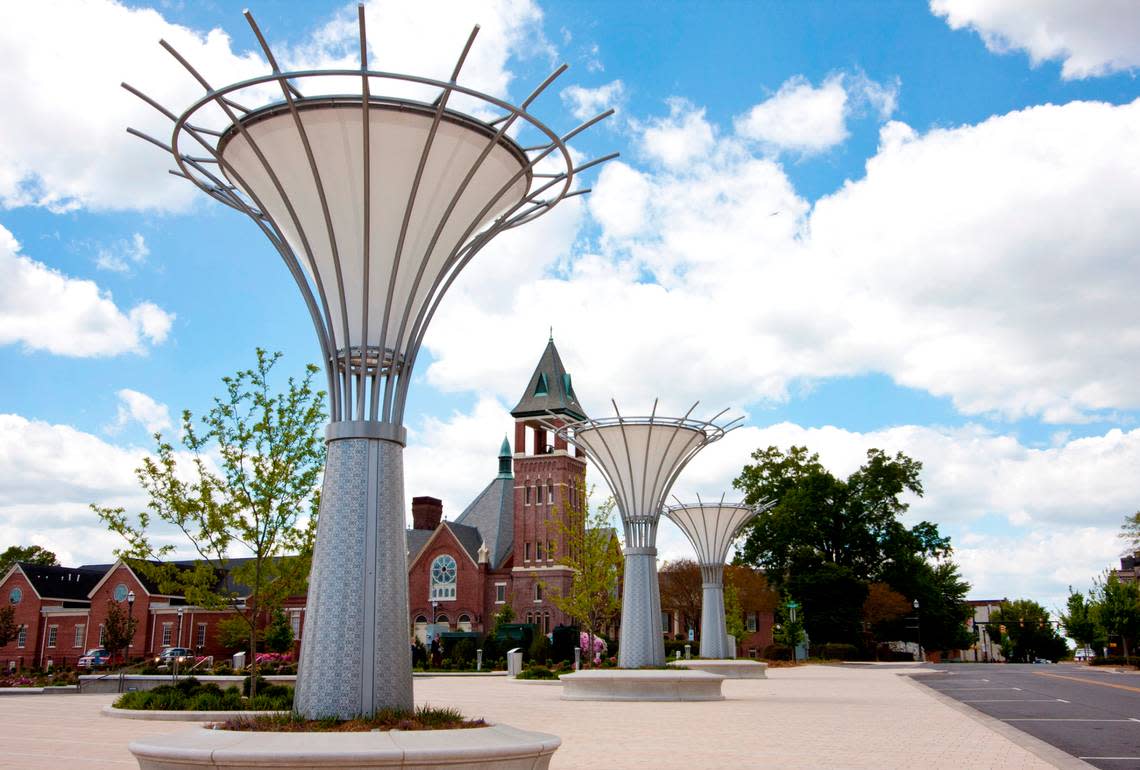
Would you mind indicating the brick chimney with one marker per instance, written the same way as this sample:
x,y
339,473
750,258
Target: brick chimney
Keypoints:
x,y
426,512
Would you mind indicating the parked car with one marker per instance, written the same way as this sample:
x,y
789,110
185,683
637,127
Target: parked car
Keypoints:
x,y
1042,660
93,658
171,654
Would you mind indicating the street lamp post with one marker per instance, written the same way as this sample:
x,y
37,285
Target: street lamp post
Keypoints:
x,y
792,606
918,630
375,203
130,623
177,643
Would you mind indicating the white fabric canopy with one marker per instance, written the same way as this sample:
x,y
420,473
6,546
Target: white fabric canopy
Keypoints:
x,y
711,528
397,135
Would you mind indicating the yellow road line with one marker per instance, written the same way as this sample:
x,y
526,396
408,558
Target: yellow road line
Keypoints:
x,y
1089,681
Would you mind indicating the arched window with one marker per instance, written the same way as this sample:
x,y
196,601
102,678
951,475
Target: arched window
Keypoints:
x,y
443,620
464,623
420,629
443,573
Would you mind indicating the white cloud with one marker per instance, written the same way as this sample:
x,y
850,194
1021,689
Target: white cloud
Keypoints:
x,y
70,149
44,309
994,264
122,256
585,103
805,119
141,408
679,139
1090,38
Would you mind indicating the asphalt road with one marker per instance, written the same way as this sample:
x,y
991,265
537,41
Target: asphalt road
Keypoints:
x,y
1091,713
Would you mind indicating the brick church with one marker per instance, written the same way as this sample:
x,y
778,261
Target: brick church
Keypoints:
x,y
504,547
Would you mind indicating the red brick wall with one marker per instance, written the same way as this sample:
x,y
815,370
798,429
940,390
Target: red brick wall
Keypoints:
x,y
27,613
65,653
469,583
141,641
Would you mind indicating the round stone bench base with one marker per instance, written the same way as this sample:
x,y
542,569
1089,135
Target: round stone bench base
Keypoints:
x,y
729,669
185,716
653,685
498,746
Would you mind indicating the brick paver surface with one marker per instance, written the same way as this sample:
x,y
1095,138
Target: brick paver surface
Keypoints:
x,y
806,717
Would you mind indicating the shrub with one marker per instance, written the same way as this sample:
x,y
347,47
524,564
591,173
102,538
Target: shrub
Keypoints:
x,y
539,651
777,652
537,672
1115,660
672,647
833,651
463,653
261,685
191,695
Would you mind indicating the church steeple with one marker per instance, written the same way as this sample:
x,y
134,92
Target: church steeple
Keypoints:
x,y
505,460
550,390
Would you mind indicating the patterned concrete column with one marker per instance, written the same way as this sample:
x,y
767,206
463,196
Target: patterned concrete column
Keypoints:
x,y
355,649
642,643
714,633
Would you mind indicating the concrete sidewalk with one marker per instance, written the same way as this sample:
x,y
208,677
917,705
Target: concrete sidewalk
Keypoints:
x,y
805,717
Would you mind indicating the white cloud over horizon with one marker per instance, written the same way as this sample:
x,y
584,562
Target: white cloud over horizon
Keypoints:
x,y
1091,39
43,309
136,407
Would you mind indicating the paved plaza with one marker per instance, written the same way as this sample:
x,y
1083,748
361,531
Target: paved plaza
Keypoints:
x,y
806,717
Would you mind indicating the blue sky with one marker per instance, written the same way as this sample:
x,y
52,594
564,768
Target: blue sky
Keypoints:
x,y
860,224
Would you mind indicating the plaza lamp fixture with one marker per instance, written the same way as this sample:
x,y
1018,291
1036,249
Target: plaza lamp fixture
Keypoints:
x,y
375,202
640,459
712,528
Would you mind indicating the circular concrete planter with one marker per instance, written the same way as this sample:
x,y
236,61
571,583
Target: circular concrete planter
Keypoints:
x,y
655,685
184,716
498,746
729,669
516,680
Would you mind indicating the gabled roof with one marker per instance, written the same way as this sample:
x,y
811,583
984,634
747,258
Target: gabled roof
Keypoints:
x,y
67,583
492,514
549,390
467,537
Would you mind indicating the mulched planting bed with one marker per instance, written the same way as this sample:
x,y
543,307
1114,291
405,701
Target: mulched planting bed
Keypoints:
x,y
423,718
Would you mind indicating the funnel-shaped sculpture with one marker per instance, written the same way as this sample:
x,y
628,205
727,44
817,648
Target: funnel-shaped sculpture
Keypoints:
x,y
711,528
375,203
640,458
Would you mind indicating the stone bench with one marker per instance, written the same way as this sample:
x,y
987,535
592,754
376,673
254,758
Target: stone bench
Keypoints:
x,y
642,685
729,669
498,746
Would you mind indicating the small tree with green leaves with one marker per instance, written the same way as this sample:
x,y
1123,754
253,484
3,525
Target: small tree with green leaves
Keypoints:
x,y
590,549
246,486
8,627
279,634
733,613
1117,608
1080,621
118,628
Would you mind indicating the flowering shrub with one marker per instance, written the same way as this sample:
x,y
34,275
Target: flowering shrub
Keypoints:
x,y
19,681
599,646
274,657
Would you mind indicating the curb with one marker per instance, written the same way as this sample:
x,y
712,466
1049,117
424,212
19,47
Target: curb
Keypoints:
x,y
1039,748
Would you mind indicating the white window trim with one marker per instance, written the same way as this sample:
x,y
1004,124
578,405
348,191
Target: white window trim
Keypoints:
x,y
22,637
200,636
497,587
167,633
53,636
442,592
80,633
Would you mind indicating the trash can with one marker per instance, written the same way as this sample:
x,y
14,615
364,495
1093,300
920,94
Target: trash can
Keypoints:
x,y
514,662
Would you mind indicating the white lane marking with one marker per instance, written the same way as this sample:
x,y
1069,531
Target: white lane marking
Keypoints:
x,y
1016,700
1065,719
1121,758
973,689
1062,700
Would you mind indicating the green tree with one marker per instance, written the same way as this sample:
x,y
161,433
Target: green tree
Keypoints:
x,y
247,485
1080,621
8,627
820,519
1117,608
591,550
29,554
118,629
733,613
279,634
941,594
681,588
788,632
1029,634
